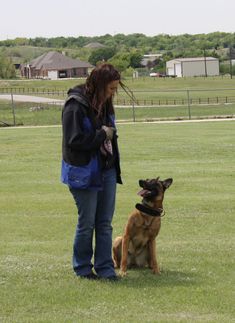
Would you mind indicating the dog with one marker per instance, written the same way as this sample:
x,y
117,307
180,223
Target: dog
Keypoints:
x,y
137,247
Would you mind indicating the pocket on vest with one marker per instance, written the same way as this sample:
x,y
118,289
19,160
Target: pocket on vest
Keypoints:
x,y
79,177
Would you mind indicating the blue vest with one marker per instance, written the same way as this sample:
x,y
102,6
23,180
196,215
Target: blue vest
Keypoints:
x,y
88,176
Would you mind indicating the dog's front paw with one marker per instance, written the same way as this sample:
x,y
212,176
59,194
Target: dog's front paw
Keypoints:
x,y
122,273
156,271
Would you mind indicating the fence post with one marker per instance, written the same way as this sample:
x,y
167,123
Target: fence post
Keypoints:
x,y
13,108
133,107
189,108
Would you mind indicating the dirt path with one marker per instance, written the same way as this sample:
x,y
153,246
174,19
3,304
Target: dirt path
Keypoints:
x,y
29,98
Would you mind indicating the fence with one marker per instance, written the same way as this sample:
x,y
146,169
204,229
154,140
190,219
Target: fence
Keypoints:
x,y
21,106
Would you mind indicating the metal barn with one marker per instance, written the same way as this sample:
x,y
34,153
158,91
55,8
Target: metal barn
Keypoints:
x,y
198,66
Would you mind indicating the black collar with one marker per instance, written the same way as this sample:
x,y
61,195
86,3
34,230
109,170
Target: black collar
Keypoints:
x,y
148,210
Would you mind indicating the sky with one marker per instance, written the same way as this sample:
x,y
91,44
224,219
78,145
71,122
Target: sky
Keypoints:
x,y
74,18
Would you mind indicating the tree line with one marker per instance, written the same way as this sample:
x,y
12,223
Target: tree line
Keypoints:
x,y
124,51
139,41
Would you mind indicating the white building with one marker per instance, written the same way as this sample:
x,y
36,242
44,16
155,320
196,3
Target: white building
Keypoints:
x,y
197,66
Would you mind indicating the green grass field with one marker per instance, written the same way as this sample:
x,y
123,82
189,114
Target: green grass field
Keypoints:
x,y
134,84
50,114
195,245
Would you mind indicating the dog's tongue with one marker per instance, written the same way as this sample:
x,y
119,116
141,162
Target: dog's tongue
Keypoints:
x,y
142,192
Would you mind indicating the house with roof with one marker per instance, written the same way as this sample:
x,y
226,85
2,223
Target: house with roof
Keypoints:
x,y
197,66
94,45
54,65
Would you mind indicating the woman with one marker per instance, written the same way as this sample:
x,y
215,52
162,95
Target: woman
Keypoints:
x,y
91,169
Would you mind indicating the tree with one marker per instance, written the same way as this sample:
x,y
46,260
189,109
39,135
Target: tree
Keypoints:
x,y
7,69
121,61
135,59
101,54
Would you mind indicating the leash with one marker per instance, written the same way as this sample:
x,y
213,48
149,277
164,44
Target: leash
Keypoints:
x,y
149,211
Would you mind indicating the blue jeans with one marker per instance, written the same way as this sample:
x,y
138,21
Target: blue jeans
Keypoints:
x,y
95,213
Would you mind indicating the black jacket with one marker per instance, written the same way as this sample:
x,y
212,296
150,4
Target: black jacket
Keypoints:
x,y
82,134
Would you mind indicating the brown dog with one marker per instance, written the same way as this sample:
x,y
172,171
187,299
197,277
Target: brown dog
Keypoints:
x,y
136,248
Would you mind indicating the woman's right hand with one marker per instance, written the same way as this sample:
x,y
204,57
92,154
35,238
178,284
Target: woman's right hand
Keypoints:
x,y
109,132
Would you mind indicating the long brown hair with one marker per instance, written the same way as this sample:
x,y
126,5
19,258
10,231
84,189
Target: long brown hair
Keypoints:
x,y
96,85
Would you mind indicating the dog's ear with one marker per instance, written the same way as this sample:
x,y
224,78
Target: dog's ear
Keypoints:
x,y
167,183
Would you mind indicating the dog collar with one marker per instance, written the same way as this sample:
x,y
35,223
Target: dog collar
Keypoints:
x,y
147,210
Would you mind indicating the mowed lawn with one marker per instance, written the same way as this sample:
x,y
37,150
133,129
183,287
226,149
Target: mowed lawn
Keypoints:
x,y
195,246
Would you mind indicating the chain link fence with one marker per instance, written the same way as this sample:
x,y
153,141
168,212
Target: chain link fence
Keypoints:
x,y
40,107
